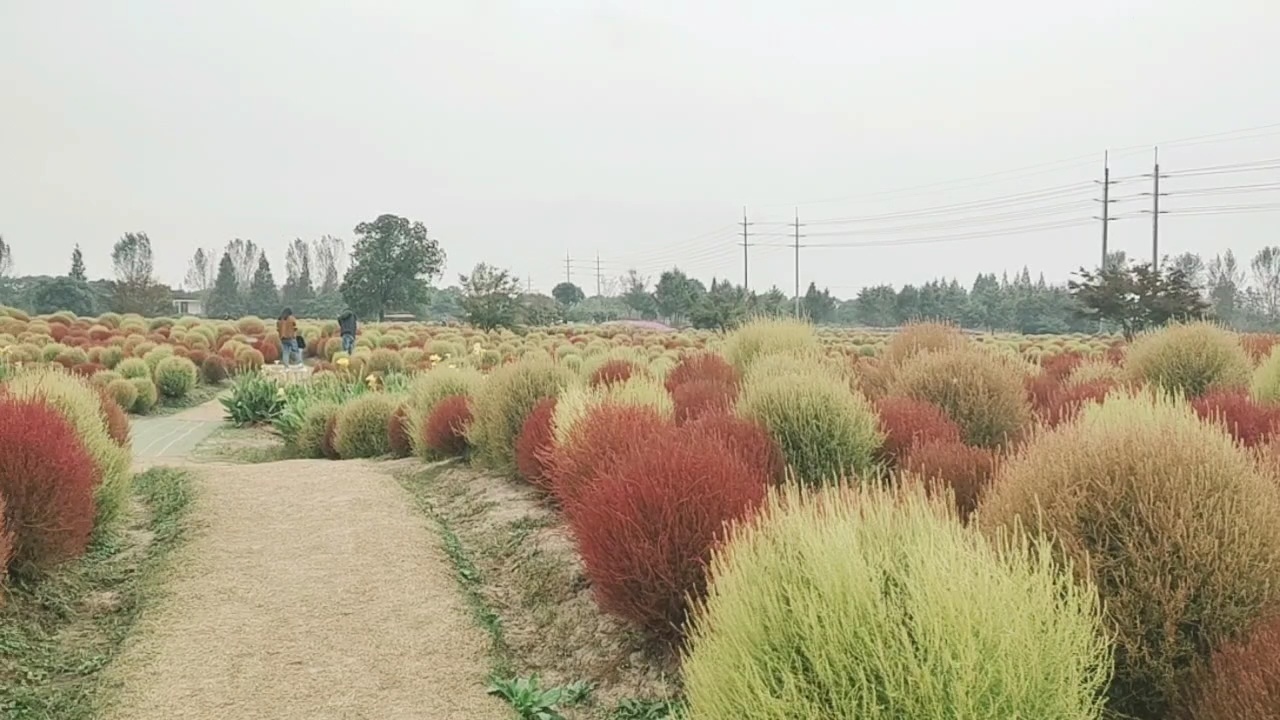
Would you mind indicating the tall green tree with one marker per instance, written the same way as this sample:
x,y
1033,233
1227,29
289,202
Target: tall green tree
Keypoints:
x,y
264,298
392,263
298,287
819,307
676,293
1136,298
723,307
64,293
491,298
636,295
77,265
224,299
567,294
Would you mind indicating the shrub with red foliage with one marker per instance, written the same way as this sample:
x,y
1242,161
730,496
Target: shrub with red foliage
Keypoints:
x,y
87,369
1258,345
1060,365
701,366
1042,389
1064,405
57,331
613,371
214,369
698,398
117,420
1249,422
270,350
446,426
47,479
1115,354
647,526
398,432
1241,680
608,431
327,447
535,443
747,439
197,356
907,422
966,470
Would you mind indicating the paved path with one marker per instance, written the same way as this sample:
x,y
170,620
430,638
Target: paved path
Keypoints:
x,y
311,591
173,437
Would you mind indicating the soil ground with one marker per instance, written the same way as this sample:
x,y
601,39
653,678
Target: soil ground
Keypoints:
x,y
310,590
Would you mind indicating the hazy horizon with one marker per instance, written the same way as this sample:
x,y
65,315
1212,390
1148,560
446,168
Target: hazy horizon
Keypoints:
x,y
519,133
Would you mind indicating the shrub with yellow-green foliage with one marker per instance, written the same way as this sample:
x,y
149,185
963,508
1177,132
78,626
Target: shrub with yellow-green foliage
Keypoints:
x,y
920,337
176,376
769,336
131,368
384,360
825,429
504,402
578,398
1170,520
1189,359
123,392
361,427
980,390
1265,386
428,389
80,403
867,603
308,442
148,395
154,357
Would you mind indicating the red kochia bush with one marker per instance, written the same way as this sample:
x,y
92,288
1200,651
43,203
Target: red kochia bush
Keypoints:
x,y
535,444
596,441
398,432
907,422
701,366
746,439
327,447
214,369
613,371
1241,680
1258,345
47,479
964,469
697,398
1249,422
116,420
1063,405
647,526
446,426
1059,366
87,369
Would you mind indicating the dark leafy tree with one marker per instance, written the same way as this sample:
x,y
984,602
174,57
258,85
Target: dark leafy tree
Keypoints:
x,y
77,266
491,298
819,307
264,298
392,263
1137,297
567,294
676,294
636,295
64,293
723,307
224,299
541,310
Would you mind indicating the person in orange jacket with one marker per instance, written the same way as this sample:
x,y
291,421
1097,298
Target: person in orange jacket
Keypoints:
x,y
287,329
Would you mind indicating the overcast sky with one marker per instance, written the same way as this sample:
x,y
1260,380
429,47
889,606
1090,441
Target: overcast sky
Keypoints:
x,y
519,131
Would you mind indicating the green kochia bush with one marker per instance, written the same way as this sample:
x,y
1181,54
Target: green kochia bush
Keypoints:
x,y
428,389
505,400
979,390
176,376
361,430
764,337
1190,359
1171,520
824,428
854,603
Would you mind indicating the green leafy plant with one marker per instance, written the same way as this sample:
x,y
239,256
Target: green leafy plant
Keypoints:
x,y
254,399
532,702
633,709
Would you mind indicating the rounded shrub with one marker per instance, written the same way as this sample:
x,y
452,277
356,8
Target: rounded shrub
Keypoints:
x,y
384,360
1189,359
857,603
1265,383
154,357
47,480
114,416
608,431
428,388
327,442
746,439
503,403
249,360
79,402
176,377
398,432
148,395
978,390
825,429
646,526
1170,520
1251,423
963,471
214,369
922,337
535,444
702,366
309,441
131,368
123,392
613,371
907,422
361,430
698,398
1241,680
444,434
765,336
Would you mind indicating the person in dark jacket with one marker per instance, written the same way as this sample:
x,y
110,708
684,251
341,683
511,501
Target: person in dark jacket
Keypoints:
x,y
347,328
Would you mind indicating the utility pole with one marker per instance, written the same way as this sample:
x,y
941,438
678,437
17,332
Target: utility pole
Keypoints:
x,y
745,286
1155,211
568,274
599,277
528,285
797,246
1106,201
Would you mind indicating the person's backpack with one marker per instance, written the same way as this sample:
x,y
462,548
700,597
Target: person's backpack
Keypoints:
x,y
302,342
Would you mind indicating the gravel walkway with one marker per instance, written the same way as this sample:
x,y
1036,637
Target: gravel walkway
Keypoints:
x,y
311,591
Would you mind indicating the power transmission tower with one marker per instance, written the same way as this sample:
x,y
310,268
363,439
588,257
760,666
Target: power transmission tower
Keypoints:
x,y
1106,201
568,274
599,278
1155,210
797,227
745,286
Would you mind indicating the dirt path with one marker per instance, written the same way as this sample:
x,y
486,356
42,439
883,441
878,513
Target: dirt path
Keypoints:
x,y
311,591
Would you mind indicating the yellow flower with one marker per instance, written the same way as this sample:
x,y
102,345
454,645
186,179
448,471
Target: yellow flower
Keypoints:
x,y
280,394
434,358
343,362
